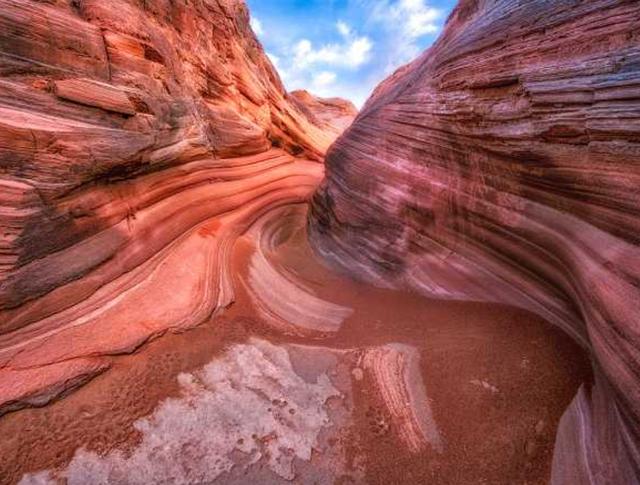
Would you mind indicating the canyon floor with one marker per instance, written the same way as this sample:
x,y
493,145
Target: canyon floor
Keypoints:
x,y
311,377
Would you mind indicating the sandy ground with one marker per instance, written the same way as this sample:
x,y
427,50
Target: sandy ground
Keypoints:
x,y
497,379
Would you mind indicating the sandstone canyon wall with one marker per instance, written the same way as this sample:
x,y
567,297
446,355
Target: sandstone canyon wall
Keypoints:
x,y
138,139
334,114
503,165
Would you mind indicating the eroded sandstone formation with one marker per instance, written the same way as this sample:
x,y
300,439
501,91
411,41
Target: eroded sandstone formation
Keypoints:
x,y
317,377
334,114
138,139
149,160
503,165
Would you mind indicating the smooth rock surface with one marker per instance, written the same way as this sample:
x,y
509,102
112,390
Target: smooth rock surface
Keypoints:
x,y
503,165
335,114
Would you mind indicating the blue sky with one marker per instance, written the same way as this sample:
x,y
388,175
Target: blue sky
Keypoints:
x,y
345,47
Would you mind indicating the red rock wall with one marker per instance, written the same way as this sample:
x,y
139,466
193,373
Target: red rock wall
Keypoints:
x,y
138,139
503,165
334,114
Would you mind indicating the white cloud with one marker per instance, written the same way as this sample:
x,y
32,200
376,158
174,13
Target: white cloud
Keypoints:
x,y
359,51
317,67
343,28
418,18
256,25
324,79
352,54
410,18
405,23
303,48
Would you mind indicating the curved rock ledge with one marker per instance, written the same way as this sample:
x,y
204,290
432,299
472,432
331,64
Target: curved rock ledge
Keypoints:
x,y
502,165
283,299
395,370
168,269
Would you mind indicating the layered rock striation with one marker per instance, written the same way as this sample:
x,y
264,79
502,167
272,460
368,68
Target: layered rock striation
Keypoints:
x,y
503,165
138,139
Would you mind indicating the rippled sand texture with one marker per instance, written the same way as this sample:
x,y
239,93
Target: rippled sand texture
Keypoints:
x,y
399,388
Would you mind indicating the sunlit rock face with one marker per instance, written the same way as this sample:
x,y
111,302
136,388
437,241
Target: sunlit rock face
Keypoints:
x,y
503,165
334,114
138,139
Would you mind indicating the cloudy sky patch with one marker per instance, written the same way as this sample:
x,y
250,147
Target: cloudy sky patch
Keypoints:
x,y
345,47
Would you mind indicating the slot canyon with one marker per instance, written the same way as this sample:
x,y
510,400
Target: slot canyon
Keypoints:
x,y
206,278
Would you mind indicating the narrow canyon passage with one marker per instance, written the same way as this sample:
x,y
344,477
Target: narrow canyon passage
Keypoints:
x,y
211,275
311,377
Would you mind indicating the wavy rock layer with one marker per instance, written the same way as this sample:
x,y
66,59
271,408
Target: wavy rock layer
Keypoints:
x,y
427,391
503,165
138,140
285,300
163,268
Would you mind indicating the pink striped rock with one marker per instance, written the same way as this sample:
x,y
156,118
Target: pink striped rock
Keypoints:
x,y
503,165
